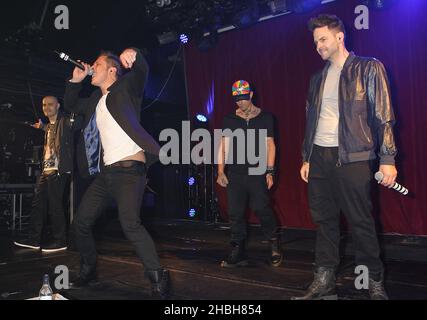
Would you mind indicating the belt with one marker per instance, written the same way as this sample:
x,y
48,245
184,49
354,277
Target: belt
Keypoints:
x,y
125,164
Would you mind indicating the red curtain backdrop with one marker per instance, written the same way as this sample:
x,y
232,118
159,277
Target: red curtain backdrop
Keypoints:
x,y
277,57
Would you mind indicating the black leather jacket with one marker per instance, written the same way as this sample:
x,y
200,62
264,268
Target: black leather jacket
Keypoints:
x,y
63,142
366,116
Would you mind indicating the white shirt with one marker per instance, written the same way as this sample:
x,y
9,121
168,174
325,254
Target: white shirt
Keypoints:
x,y
115,142
327,128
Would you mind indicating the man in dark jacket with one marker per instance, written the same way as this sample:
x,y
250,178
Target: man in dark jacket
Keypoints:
x,y
349,121
51,186
127,150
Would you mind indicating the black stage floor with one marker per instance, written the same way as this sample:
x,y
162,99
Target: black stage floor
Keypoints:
x,y
192,252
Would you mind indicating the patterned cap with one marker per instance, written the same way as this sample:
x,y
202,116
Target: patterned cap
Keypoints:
x,y
241,90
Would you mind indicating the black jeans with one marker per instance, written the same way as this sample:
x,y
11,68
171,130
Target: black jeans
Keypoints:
x,y
49,200
126,186
240,189
345,188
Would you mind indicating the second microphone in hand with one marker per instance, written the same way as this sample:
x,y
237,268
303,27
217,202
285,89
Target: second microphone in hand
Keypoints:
x,y
379,176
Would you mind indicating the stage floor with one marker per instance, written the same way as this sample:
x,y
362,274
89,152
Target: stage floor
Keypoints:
x,y
192,251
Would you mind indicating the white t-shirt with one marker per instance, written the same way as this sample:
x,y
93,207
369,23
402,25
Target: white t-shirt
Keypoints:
x,y
327,128
115,142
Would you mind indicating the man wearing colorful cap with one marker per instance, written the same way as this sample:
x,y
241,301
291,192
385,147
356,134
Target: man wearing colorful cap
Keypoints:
x,y
241,185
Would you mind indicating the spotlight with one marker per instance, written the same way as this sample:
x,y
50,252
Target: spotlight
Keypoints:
x,y
160,3
191,213
201,118
277,6
184,38
191,181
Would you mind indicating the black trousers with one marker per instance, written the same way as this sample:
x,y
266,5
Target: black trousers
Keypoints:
x,y
125,186
49,200
242,188
345,188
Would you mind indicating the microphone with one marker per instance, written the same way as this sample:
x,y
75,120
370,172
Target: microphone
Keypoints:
x,y
379,176
67,58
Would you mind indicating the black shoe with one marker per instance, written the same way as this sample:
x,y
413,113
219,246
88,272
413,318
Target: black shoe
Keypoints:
x,y
322,287
376,290
160,283
86,277
237,257
28,243
55,246
276,252
82,282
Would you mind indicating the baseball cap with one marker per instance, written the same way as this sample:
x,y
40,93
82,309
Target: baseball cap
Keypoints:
x,y
241,90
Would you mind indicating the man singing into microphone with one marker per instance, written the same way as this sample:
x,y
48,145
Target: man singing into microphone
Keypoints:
x,y
127,152
349,120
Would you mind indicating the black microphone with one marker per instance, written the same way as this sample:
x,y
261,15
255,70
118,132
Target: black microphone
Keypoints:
x,y
67,58
379,176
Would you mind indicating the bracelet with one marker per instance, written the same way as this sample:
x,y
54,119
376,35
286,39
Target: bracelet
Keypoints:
x,y
270,170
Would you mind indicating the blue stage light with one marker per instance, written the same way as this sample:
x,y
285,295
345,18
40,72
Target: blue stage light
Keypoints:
x,y
201,118
192,212
183,38
191,181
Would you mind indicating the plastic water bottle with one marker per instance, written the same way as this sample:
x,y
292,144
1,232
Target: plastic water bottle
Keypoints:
x,y
45,291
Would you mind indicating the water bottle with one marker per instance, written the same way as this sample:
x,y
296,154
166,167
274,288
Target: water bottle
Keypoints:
x,y
46,291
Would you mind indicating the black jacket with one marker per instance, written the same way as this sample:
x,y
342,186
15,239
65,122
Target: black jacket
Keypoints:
x,y
63,142
123,102
366,116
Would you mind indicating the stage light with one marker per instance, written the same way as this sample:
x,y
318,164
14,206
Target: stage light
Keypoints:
x,y
163,3
277,6
184,38
192,213
191,181
201,118
167,37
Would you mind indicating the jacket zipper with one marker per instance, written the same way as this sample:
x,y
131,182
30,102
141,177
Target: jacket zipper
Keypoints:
x,y
312,142
339,122
363,130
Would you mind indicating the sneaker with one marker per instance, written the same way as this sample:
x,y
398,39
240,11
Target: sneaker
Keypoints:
x,y
276,252
55,246
28,243
376,289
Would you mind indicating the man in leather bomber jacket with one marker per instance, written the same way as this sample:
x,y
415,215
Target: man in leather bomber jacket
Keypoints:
x,y
349,121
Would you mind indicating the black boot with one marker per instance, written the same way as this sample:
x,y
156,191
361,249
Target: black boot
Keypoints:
x,y
322,287
276,252
87,276
376,289
237,256
160,283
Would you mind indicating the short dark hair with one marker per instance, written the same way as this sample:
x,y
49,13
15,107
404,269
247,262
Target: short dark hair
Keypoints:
x,y
326,20
113,61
